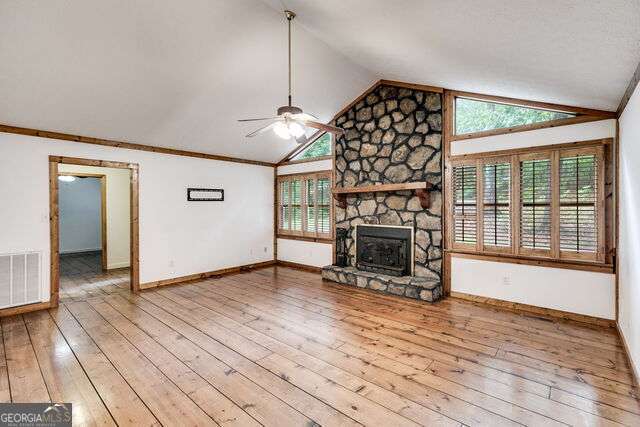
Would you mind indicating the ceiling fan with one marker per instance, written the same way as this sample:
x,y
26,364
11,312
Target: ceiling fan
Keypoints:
x,y
291,121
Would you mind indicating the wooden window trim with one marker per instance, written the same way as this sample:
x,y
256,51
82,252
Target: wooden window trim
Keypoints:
x,y
303,234
554,256
583,115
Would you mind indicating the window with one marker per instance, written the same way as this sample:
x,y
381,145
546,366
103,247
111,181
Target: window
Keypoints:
x,y
321,147
547,203
578,201
465,210
496,203
535,204
472,115
304,205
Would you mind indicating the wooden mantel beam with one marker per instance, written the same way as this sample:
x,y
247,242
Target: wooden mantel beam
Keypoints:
x,y
421,189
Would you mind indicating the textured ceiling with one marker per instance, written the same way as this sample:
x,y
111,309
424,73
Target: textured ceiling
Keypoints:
x,y
164,72
180,73
575,52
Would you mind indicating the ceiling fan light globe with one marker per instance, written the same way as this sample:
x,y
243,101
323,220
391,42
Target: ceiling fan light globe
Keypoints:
x,y
282,130
296,129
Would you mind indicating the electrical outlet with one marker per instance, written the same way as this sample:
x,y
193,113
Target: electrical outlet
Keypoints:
x,y
506,281
265,249
172,263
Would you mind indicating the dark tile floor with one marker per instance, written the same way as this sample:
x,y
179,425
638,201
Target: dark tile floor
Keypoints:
x,y
81,276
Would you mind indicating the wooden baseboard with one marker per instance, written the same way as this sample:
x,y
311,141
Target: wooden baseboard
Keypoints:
x,y
635,370
535,310
304,267
200,276
12,311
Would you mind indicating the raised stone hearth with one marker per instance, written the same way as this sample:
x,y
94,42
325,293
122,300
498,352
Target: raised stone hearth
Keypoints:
x,y
421,288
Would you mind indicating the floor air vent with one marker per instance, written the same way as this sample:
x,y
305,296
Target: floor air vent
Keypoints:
x,y
19,279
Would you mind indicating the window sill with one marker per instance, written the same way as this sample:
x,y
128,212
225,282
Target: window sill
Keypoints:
x,y
305,239
537,261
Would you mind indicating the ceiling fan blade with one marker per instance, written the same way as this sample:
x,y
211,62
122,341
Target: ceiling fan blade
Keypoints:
x,y
261,130
322,126
256,120
305,116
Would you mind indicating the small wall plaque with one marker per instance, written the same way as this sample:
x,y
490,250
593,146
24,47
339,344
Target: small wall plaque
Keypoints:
x,y
205,194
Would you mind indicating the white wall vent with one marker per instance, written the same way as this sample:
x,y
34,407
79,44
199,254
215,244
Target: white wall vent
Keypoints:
x,y
20,279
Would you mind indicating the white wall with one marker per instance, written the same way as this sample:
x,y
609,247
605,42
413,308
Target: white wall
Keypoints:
x,y
568,290
629,245
79,207
118,211
177,237
575,291
308,253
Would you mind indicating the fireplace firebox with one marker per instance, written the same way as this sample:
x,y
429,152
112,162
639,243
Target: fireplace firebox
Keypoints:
x,y
384,249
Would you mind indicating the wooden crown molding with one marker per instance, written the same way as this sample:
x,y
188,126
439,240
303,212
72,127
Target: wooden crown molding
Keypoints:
x,y
127,145
633,83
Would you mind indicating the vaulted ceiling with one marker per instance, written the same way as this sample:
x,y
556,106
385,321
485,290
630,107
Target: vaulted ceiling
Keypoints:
x,y
164,72
180,73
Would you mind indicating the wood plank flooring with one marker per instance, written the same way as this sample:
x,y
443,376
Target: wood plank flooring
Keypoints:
x,y
280,347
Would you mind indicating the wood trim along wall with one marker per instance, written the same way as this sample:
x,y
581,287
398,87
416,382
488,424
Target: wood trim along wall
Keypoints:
x,y
55,223
12,311
537,261
127,145
635,369
313,159
354,102
305,239
631,87
529,127
208,274
297,266
103,210
535,311
299,148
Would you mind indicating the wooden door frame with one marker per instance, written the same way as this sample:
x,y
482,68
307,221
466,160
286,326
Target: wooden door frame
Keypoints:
x,y
54,220
103,209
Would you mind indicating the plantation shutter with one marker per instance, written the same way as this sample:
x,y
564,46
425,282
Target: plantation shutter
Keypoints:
x,y
296,205
465,204
284,206
496,209
535,204
311,208
323,191
305,205
578,201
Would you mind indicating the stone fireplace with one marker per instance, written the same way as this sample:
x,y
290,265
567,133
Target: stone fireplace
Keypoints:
x,y
392,143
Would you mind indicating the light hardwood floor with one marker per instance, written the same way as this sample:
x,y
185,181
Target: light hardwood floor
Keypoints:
x,y
280,347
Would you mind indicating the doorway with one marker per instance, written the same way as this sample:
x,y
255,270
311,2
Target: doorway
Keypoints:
x,y
94,228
